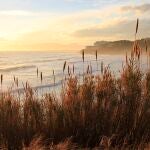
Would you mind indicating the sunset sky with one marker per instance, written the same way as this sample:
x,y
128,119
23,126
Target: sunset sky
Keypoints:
x,y
69,24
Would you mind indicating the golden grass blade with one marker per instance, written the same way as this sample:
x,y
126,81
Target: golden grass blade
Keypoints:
x,y
68,70
37,72
64,66
54,76
96,55
14,79
146,47
17,82
1,79
91,71
54,80
88,69
137,25
26,85
83,55
126,58
73,69
102,67
41,77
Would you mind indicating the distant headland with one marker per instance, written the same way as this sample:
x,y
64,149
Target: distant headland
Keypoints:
x,y
115,47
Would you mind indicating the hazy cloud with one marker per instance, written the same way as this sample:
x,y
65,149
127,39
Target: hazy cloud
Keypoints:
x,y
124,29
49,30
17,13
141,8
2,39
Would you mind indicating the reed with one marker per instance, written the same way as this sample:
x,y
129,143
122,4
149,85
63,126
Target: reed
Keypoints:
x,y
41,77
88,69
91,70
69,71
137,26
54,77
83,59
27,85
14,79
1,79
17,82
64,66
102,67
37,72
73,69
83,55
146,47
96,56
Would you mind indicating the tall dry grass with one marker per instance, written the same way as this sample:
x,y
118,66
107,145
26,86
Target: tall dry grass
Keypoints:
x,y
102,111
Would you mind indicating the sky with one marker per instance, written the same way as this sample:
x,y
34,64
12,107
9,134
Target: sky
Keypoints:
x,y
69,25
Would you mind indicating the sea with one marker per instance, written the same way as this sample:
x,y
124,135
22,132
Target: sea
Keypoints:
x,y
22,66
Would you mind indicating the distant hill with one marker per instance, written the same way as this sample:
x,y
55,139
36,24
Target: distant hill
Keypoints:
x,y
115,47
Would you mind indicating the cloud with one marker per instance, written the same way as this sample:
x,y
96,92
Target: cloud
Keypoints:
x,y
140,8
2,39
124,29
49,30
17,13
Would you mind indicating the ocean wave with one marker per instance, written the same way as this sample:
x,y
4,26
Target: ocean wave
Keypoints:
x,y
50,60
38,87
15,68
